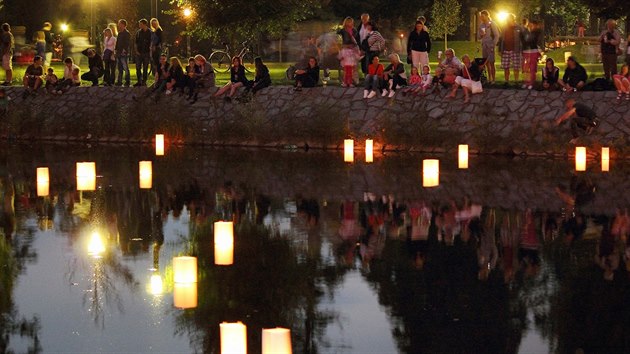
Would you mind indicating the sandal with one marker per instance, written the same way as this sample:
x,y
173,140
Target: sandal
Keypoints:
x,y
619,94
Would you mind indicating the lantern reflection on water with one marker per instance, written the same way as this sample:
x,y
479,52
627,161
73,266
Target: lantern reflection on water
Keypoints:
x,y
580,158
146,174
96,246
156,286
369,150
86,176
223,243
276,341
348,150
43,182
430,173
185,295
462,156
159,144
233,338
605,159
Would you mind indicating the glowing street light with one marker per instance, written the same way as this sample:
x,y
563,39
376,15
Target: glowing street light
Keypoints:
x,y
502,16
64,27
187,12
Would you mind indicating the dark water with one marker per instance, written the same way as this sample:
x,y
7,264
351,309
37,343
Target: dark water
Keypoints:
x,y
508,256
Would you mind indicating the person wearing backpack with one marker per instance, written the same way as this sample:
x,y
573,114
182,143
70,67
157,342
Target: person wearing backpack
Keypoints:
x,y
489,36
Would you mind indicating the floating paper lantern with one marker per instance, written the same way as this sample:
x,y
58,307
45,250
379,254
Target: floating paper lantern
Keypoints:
x,y
233,338
185,295
185,269
43,182
580,158
223,243
462,156
86,176
348,150
605,159
159,144
146,174
430,173
369,150
276,341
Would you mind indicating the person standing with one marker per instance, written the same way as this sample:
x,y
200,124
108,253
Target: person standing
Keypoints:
x,y
123,46
510,47
532,40
7,44
419,45
489,36
143,52
610,40
363,35
156,42
350,38
48,37
375,43
109,46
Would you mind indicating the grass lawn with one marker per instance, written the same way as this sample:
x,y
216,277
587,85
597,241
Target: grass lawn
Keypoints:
x,y
277,70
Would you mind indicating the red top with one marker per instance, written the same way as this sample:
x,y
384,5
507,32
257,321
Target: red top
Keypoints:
x,y
375,69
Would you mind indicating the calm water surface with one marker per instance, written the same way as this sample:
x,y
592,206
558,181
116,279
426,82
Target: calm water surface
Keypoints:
x,y
510,256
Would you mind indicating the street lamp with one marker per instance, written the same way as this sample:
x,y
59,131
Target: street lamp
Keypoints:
x,y
64,27
187,12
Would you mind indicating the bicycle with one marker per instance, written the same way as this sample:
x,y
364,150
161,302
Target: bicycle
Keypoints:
x,y
221,59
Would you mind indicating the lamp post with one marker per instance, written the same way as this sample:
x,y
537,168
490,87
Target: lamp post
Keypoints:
x,y
187,12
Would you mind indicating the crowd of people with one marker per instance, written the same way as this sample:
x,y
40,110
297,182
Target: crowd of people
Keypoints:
x,y
520,46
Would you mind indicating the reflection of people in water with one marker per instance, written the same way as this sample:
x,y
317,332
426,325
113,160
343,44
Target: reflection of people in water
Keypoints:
x,y
487,252
309,209
509,233
529,245
8,206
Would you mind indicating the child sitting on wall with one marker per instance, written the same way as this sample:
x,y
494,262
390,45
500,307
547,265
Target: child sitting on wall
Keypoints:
x,y
51,81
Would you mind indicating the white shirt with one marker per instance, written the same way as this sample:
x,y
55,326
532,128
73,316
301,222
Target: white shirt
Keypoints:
x,y
363,33
110,44
67,71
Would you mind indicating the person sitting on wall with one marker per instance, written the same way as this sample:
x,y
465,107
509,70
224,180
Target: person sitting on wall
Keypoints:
x,y
469,80
95,64
574,77
451,67
70,76
308,77
33,76
237,80
582,118
262,78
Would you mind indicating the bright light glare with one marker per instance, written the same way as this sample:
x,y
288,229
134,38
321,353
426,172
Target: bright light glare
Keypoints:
x,y
64,27
187,12
96,246
502,16
157,287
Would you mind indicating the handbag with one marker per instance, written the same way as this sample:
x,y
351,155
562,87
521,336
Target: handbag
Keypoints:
x,y
476,86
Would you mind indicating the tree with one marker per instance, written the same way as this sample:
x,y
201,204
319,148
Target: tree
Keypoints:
x,y
236,19
447,18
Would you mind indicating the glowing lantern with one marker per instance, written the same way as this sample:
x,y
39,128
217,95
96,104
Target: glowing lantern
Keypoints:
x,y
95,245
223,243
605,159
156,286
369,150
276,341
86,176
463,156
348,150
185,295
233,338
146,174
185,269
159,144
43,182
430,173
580,158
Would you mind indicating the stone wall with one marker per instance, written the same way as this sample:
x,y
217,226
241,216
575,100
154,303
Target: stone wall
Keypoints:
x,y
496,121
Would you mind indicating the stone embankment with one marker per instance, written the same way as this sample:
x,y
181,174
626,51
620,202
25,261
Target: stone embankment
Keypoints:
x,y
496,121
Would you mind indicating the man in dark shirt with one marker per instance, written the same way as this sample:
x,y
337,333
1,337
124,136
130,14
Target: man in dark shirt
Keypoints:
x,y
582,117
123,44
95,64
143,52
574,76
33,76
